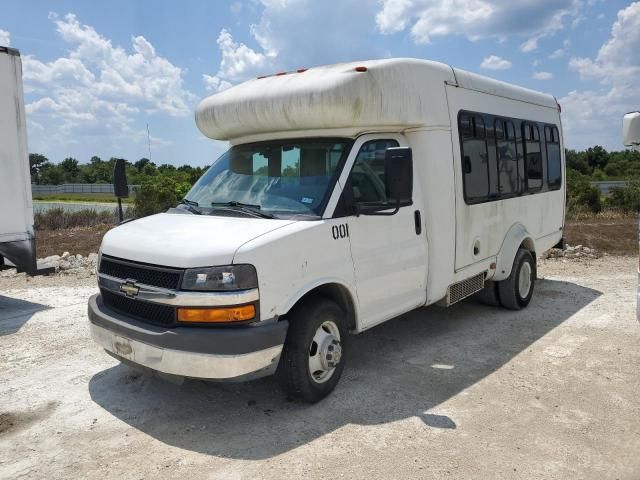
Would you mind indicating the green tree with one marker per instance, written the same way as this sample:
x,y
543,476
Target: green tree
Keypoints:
x,y
140,164
37,162
98,170
51,174
577,161
70,169
626,198
150,169
155,195
166,168
597,157
580,194
181,189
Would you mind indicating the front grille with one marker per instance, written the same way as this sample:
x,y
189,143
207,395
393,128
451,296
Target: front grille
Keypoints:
x,y
149,312
162,277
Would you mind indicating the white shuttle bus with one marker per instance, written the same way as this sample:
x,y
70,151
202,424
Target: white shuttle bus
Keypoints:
x,y
351,194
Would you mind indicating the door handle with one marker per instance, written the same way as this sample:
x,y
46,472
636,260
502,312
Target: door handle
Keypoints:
x,y
417,219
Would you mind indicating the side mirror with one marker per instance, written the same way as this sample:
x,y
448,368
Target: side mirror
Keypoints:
x,y
631,129
398,175
120,185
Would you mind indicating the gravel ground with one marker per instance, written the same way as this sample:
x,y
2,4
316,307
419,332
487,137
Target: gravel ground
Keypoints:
x,y
469,392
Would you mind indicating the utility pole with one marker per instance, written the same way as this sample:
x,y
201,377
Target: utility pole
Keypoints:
x,y
149,141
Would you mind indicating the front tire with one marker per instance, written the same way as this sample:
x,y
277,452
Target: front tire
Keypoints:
x,y
313,357
516,290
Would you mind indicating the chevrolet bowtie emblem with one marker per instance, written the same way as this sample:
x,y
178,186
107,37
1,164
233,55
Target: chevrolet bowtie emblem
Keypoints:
x,y
129,288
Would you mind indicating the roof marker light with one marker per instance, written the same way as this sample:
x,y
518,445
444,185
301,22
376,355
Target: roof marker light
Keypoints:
x,y
262,76
302,70
361,69
279,74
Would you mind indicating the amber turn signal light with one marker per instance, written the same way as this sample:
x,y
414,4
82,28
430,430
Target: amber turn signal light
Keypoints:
x,y
217,315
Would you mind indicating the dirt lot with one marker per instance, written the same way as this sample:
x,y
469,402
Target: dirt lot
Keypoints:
x,y
616,236
80,240
468,392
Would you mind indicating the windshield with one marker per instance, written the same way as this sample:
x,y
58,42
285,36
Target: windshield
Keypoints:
x,y
284,177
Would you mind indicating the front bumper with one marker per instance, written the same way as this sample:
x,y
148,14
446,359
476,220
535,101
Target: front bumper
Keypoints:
x,y
231,353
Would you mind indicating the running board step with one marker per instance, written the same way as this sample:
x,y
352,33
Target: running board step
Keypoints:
x,y
465,288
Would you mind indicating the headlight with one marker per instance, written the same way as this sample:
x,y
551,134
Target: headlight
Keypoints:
x,y
212,279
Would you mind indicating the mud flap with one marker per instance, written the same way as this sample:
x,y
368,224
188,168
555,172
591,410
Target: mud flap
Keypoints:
x,y
22,255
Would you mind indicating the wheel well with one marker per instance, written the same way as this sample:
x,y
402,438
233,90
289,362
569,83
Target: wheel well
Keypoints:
x,y
336,293
528,244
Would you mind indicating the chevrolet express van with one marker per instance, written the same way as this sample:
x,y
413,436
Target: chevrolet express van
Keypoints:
x,y
350,194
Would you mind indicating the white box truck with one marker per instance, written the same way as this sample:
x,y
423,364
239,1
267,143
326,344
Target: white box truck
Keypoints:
x,y
17,241
631,130
351,194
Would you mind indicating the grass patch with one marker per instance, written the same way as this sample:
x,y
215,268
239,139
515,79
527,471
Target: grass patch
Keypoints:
x,y
59,219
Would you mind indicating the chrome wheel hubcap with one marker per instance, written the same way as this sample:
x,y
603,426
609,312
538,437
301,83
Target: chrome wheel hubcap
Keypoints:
x,y
325,352
524,280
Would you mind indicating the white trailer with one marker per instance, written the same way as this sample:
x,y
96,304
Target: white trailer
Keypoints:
x,y
17,241
351,194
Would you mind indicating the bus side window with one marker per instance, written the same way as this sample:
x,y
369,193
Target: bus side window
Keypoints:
x,y
533,156
554,160
475,166
507,158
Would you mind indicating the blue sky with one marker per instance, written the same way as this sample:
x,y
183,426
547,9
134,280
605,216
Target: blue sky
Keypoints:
x,y
96,73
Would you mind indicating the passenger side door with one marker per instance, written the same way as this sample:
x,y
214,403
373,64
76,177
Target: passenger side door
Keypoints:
x,y
389,252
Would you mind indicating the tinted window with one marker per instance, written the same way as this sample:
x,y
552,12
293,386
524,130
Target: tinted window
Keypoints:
x,y
474,158
367,175
533,156
554,167
507,157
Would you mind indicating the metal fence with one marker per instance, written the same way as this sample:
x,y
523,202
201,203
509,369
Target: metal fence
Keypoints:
x,y
106,188
607,185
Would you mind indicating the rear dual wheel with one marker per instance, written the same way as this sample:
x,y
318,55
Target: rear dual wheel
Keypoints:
x,y
515,291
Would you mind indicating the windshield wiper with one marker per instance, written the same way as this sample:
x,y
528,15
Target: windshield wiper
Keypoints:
x,y
245,207
191,206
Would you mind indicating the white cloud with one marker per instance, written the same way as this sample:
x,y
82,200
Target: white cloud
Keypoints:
x,y
238,62
476,19
493,62
5,38
289,35
542,75
236,8
557,54
94,90
530,45
595,115
237,58
560,52
213,83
